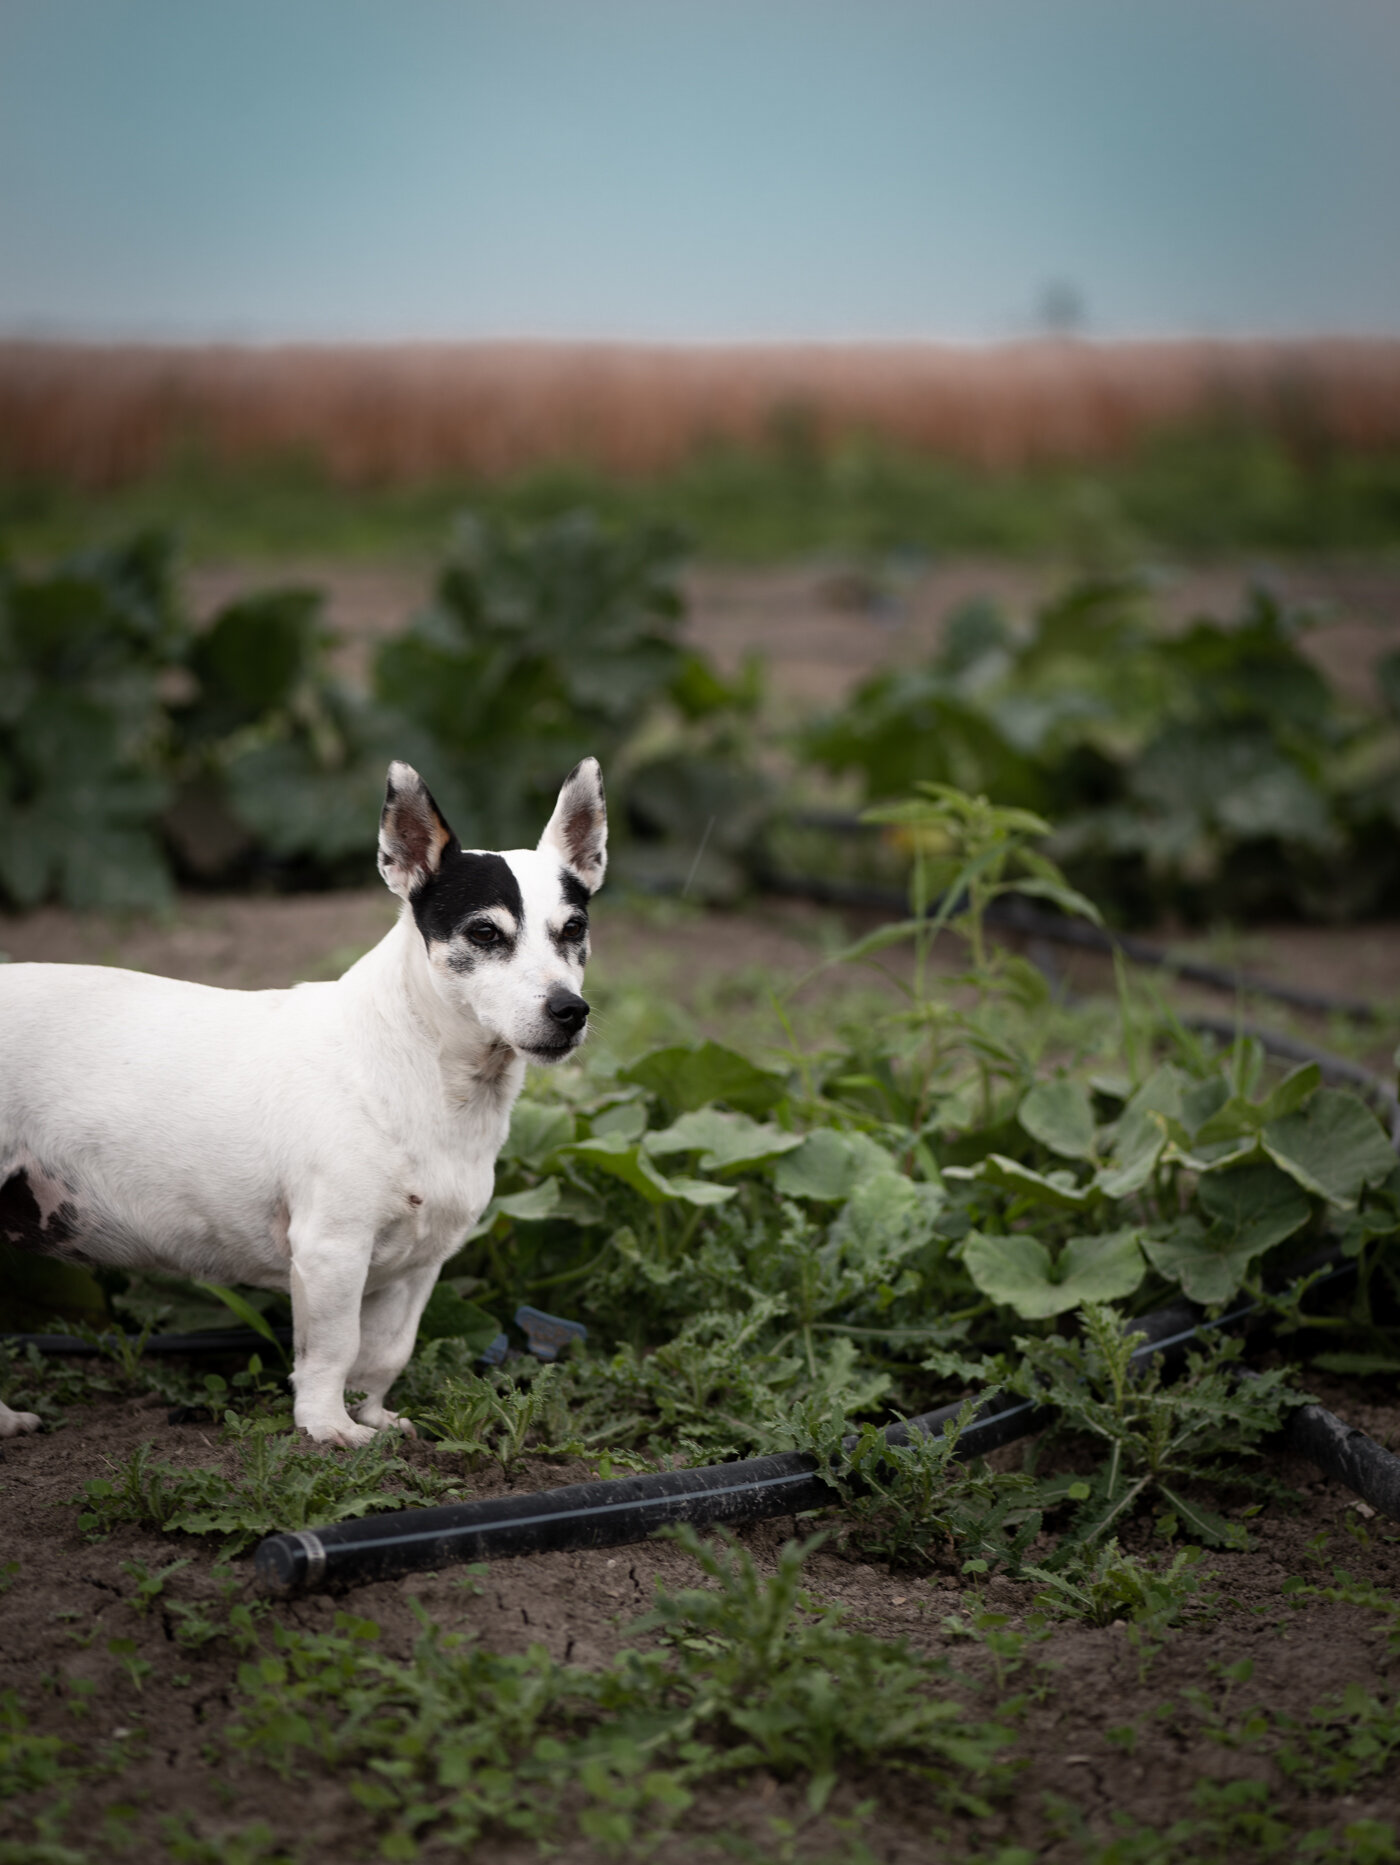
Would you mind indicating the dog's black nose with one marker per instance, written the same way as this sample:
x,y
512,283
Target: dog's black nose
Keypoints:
x,y
567,1009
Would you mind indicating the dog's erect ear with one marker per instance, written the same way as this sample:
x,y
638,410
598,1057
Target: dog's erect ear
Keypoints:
x,y
412,834
578,830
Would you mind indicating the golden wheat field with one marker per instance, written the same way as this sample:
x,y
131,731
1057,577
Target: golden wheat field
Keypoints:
x,y
96,416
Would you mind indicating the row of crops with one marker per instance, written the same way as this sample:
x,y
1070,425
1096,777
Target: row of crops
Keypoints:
x,y
1211,770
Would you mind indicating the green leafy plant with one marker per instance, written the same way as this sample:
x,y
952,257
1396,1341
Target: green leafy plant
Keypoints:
x,y
197,1624
28,1759
1327,1754
81,727
150,1586
913,1503
253,1844
277,1484
750,1672
30,1382
495,1417
1206,1424
1213,770
1102,1582
803,1693
753,1245
136,746
132,741
578,625
1350,1739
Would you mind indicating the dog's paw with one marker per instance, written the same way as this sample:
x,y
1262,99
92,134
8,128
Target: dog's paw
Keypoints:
x,y
15,1424
381,1419
343,1431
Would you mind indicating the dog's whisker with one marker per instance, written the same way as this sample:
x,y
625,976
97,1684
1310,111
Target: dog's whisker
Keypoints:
x,y
704,843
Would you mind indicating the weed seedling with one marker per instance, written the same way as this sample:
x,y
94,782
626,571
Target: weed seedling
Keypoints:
x,y
150,1586
254,1844
993,1631
477,1417
124,1350
137,1668
804,1693
1103,1585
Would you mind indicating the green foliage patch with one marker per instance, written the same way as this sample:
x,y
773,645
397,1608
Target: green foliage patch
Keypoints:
x,y
277,1483
789,1251
1213,771
1221,486
750,1673
976,1191
137,746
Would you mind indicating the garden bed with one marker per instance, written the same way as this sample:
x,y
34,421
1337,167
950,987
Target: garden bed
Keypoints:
x,y
1107,1725
1035,1660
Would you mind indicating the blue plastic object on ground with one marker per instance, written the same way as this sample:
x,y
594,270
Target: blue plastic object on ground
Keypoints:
x,y
546,1334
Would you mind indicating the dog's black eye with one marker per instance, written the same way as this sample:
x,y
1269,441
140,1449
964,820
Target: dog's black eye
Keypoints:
x,y
484,933
575,928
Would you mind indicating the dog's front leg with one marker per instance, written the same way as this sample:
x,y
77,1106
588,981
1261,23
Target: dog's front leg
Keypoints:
x,y
388,1328
328,1285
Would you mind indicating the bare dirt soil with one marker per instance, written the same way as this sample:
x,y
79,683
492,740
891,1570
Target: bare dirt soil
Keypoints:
x,y
1108,1727
823,627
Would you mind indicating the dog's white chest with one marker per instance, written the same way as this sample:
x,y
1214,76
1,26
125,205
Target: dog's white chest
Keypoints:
x,y
436,1209
440,1184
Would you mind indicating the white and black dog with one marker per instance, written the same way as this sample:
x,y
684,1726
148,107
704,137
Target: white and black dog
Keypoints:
x,y
335,1140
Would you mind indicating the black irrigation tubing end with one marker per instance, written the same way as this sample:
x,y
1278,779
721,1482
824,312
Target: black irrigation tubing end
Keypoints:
x,y
581,1515
1348,1455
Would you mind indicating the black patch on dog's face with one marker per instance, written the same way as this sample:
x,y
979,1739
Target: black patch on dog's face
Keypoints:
x,y
464,885
23,1224
572,944
573,889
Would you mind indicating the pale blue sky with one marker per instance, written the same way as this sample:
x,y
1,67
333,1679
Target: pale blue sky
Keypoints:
x,y
696,169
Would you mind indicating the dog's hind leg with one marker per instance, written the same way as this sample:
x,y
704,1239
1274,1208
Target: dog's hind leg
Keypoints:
x,y
388,1328
13,1424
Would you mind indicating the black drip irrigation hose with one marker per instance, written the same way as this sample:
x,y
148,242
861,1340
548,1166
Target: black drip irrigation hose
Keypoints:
x,y
628,1509
1347,1454
1017,915
210,1340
